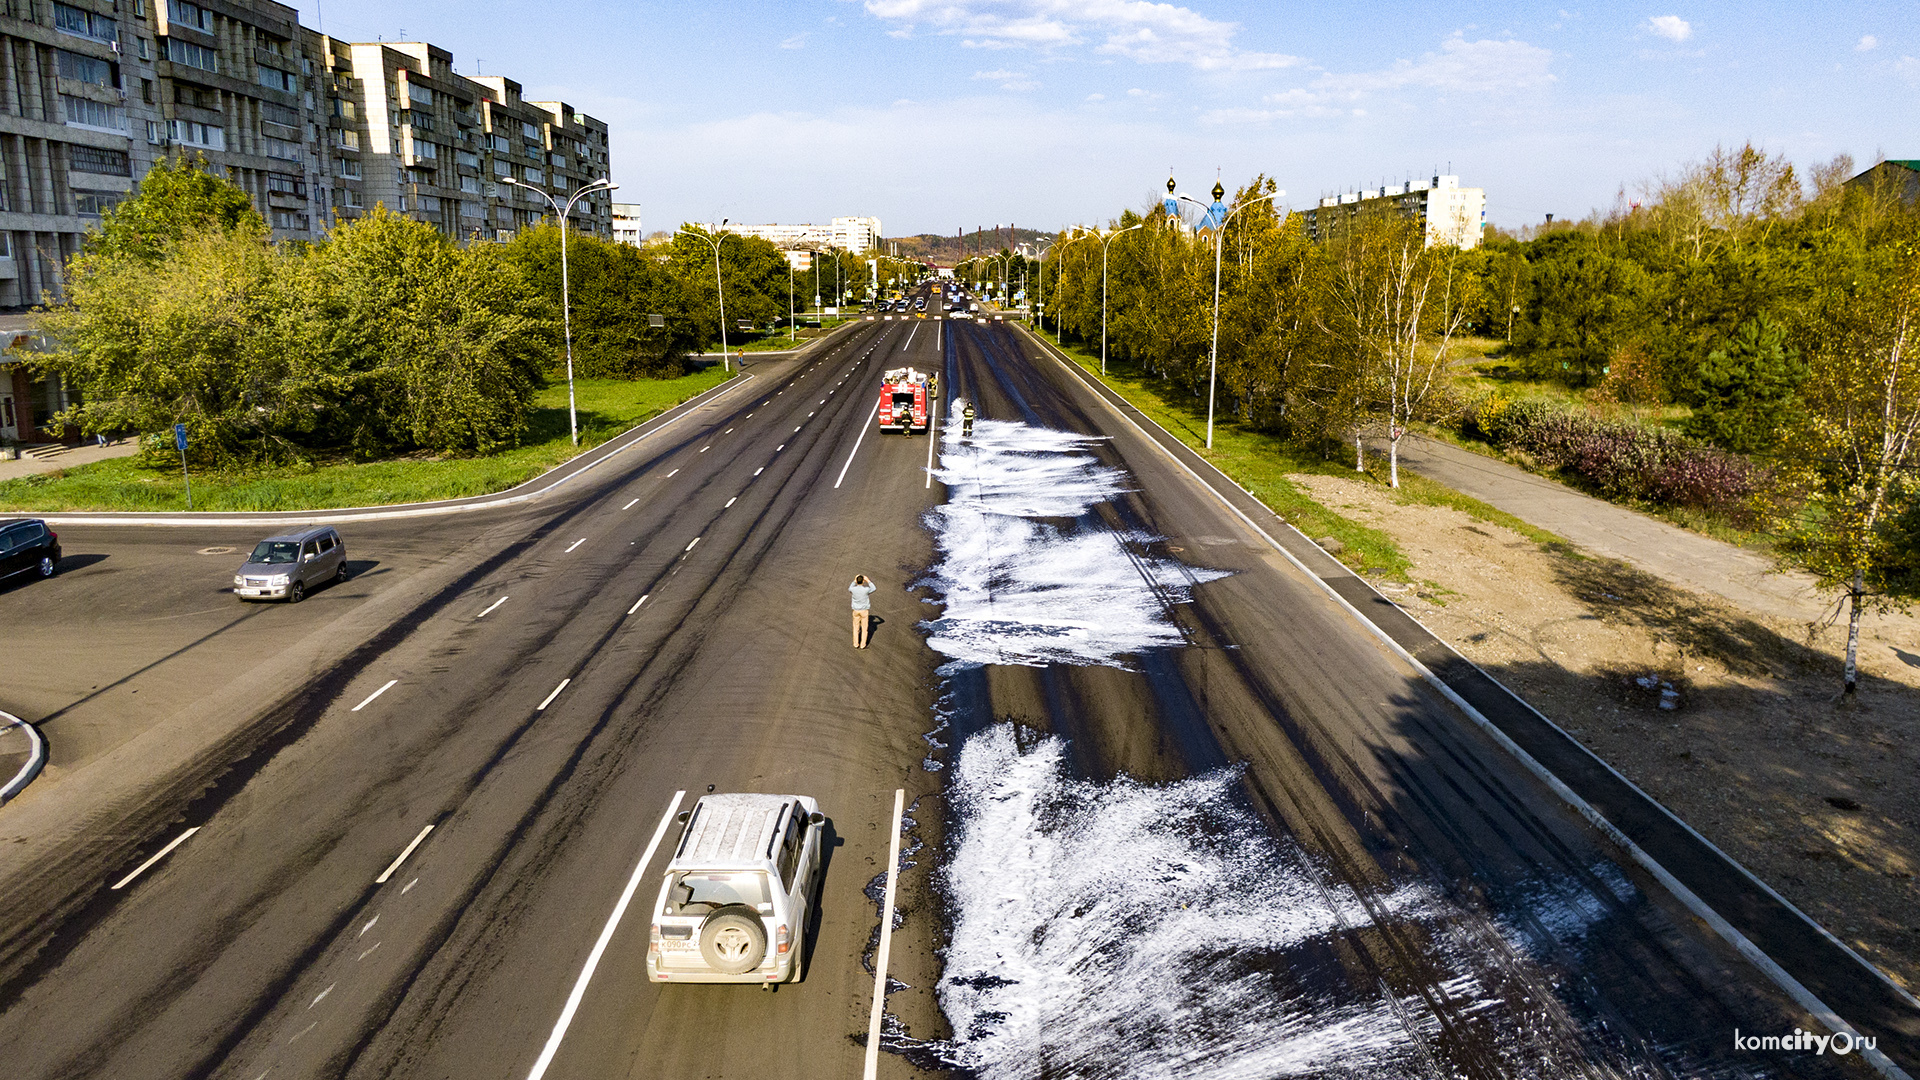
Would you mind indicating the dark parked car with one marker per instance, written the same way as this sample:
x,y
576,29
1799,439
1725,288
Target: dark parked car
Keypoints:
x,y
28,547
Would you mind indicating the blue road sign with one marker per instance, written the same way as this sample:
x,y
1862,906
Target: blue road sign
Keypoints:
x,y
179,436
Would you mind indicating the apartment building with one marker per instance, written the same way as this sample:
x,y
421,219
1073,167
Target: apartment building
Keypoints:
x,y
855,234
406,131
1449,213
626,224
315,129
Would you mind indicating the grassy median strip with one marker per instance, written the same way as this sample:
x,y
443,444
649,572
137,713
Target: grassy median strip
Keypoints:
x,y
607,407
1261,463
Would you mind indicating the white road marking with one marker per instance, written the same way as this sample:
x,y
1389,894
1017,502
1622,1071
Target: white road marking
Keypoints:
x,y
933,431
555,694
629,506
395,865
690,546
408,887
783,446
157,856
483,614
729,431
637,603
809,416
886,940
706,448
731,501
749,416
796,429
856,444
759,470
600,946
367,953
318,998
573,545
367,927
375,694
670,475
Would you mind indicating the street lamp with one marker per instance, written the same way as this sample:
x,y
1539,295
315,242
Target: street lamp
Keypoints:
x,y
1104,242
1219,238
566,306
718,287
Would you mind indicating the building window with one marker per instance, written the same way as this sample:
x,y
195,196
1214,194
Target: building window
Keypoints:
x,y
420,95
346,197
499,144
72,20
529,132
347,167
426,151
470,185
179,11
93,203
502,168
144,53
344,109
193,56
282,184
468,158
85,69
103,162
471,209
284,149
191,133
91,114
535,176
275,79
348,140
284,115
146,91
288,219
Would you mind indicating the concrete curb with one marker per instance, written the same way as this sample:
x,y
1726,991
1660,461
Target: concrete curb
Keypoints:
x,y
532,489
36,760
1787,983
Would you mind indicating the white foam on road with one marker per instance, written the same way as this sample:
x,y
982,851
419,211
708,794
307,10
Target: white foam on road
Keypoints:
x,y
1023,586
1109,929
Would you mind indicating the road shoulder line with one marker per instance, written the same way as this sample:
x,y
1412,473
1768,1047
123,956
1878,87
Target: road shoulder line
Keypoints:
x,y
1653,817
36,757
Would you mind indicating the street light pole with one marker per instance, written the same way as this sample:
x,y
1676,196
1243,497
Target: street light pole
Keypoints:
x,y
566,303
1219,239
1108,239
719,288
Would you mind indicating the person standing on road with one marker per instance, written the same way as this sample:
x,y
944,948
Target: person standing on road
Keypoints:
x,y
862,591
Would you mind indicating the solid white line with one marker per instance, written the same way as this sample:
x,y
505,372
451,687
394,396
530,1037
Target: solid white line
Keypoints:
x,y
759,470
629,506
670,475
388,872
157,856
573,545
749,416
933,429
783,446
600,946
483,614
556,693
706,448
797,429
731,501
637,603
690,546
376,694
729,431
857,442
886,940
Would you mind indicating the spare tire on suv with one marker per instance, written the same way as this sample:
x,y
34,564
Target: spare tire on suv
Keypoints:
x,y
733,940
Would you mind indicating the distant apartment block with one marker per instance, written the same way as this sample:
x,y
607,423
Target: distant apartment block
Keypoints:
x,y
317,130
626,224
1897,178
1449,213
855,234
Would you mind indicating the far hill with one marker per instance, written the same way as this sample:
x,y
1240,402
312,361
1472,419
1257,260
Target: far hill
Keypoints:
x,y
948,250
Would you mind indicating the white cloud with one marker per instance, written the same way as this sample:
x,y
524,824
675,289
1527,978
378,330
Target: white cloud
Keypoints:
x,y
1139,30
1461,66
1096,97
1867,42
1671,27
1136,92
1908,68
797,41
1009,80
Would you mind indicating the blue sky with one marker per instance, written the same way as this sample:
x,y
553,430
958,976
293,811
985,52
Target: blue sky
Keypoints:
x,y
939,114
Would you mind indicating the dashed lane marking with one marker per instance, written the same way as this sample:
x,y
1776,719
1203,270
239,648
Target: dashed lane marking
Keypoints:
x,y
637,603
556,693
156,857
408,850
573,545
629,506
375,694
484,614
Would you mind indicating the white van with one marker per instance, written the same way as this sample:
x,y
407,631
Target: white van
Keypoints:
x,y
738,892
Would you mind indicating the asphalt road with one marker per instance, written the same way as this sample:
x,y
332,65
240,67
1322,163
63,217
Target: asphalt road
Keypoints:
x,y
263,946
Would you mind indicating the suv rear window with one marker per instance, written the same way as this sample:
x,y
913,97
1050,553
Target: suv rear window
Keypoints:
x,y
747,887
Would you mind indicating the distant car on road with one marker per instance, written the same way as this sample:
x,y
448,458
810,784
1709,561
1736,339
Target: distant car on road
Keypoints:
x,y
285,567
28,547
739,891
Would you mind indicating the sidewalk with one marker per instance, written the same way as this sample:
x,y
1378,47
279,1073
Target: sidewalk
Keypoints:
x,y
1601,528
85,454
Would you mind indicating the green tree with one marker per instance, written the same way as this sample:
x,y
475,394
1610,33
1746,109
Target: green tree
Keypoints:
x,y
178,196
615,289
1747,391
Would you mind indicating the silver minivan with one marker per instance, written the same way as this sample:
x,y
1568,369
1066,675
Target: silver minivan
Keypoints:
x,y
286,567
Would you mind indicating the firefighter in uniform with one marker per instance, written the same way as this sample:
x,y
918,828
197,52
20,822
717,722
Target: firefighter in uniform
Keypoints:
x,y
966,421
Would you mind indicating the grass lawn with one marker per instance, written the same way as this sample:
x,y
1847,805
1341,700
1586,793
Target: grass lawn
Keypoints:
x,y
1261,463
607,407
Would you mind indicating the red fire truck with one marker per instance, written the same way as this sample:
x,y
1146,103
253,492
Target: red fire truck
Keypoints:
x,y
906,400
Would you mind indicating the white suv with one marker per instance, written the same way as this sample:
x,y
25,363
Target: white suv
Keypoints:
x,y
739,891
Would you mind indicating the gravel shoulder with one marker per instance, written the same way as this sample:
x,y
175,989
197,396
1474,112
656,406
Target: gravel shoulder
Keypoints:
x,y
1728,718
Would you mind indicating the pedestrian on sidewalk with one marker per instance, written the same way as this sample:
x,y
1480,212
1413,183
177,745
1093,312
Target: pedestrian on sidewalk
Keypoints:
x,y
862,591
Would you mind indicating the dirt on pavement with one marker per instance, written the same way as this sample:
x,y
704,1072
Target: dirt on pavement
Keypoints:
x,y
1732,721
